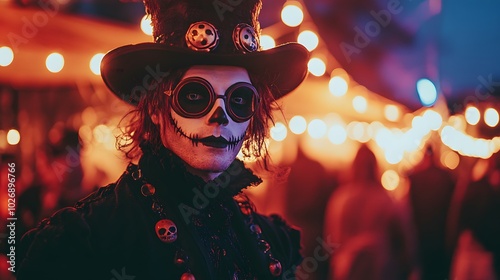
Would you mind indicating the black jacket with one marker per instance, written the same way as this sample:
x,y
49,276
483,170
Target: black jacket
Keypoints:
x,y
111,233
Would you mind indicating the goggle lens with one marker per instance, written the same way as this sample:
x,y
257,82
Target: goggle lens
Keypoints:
x,y
194,97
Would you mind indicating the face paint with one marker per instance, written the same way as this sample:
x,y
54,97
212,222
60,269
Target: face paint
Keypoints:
x,y
210,143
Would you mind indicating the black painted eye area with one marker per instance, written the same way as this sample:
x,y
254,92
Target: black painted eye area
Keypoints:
x,y
194,97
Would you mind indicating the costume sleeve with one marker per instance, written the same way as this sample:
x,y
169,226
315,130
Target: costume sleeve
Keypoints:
x,y
284,241
59,248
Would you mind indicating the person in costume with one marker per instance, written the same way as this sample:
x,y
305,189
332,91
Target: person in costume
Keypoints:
x,y
202,91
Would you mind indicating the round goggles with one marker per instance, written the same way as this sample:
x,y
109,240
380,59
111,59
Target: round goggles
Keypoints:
x,y
194,97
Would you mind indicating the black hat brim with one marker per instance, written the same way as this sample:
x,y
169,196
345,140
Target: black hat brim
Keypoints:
x,y
131,70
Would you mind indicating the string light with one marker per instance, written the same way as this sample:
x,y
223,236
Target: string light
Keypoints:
x,y
472,115
390,180
316,66
6,56
292,14
54,62
146,26
359,104
298,125
337,134
13,137
308,39
316,128
278,132
391,112
267,42
338,86
491,117
95,63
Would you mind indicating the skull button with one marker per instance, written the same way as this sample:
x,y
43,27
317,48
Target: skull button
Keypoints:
x,y
202,36
166,230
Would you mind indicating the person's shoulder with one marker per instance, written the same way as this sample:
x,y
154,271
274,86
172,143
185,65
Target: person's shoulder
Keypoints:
x,y
59,245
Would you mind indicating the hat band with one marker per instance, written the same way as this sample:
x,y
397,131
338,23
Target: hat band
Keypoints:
x,y
203,36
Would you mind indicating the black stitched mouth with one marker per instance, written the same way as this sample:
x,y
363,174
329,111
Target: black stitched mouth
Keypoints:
x,y
210,141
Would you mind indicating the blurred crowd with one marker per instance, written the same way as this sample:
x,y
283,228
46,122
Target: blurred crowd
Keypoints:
x,y
446,227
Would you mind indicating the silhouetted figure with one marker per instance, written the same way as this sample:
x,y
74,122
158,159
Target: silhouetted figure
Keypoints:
x,y
431,189
307,191
371,229
478,249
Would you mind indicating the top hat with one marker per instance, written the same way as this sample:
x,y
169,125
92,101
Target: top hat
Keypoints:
x,y
202,32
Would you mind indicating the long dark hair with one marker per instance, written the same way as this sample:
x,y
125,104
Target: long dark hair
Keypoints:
x,y
137,127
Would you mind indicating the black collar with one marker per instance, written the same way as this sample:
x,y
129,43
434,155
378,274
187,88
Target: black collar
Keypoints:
x,y
167,172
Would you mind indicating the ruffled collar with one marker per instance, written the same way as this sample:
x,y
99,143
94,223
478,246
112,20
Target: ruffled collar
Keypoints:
x,y
167,172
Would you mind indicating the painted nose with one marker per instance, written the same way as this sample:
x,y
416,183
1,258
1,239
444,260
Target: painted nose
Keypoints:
x,y
219,116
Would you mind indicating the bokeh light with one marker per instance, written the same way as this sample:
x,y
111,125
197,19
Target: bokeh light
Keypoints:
x,y
316,128
267,42
338,86
472,115
308,39
13,137
450,159
292,14
491,117
6,56
427,92
337,134
95,63
278,132
146,25
298,125
390,180
54,62
391,112
316,66
359,104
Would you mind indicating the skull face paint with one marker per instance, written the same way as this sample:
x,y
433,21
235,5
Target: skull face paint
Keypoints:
x,y
209,144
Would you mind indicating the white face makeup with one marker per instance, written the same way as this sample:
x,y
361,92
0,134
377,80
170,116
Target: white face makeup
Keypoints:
x,y
210,143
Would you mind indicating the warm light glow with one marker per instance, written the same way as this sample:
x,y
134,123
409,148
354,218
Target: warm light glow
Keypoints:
x,y
6,56
472,115
433,119
355,131
308,39
278,132
338,86
102,134
427,92
390,180
95,63
267,42
458,122
337,134
54,62
146,25
316,66
298,124
450,159
316,128
393,156
13,137
391,112
466,144
491,117
360,104
292,15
